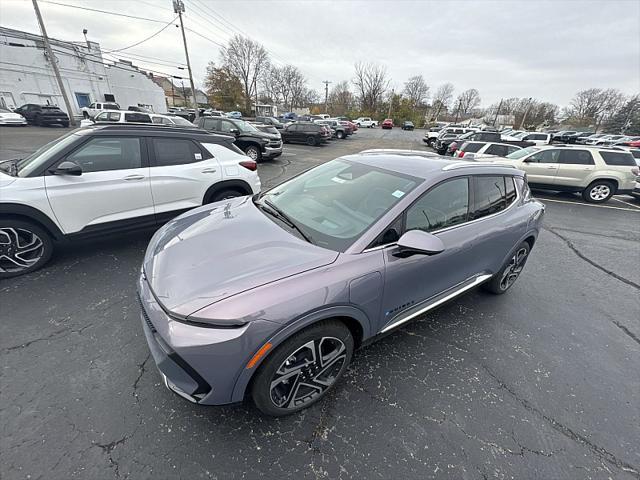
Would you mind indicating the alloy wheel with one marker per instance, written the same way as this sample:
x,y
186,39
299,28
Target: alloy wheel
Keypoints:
x,y
600,192
19,249
308,372
252,153
511,273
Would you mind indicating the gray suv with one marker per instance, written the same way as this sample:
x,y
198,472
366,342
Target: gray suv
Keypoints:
x,y
268,295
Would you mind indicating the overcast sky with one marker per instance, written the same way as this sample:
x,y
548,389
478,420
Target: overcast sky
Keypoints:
x,y
542,49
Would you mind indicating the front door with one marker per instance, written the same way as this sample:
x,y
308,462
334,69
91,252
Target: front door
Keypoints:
x,y
412,282
114,187
542,166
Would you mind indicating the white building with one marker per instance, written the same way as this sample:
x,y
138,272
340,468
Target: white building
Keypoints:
x,y
26,75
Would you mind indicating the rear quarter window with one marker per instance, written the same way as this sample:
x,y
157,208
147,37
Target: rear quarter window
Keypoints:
x,y
619,159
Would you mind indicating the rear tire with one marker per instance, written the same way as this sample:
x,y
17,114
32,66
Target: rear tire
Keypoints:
x,y
311,141
509,273
599,191
24,247
302,369
340,135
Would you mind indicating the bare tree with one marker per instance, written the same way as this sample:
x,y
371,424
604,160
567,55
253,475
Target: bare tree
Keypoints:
x,y
468,101
247,60
340,98
372,83
594,105
416,90
284,83
442,99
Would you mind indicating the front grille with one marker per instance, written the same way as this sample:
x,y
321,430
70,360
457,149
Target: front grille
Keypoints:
x,y
145,316
275,143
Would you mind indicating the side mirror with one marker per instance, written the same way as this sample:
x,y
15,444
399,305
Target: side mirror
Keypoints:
x,y
68,168
419,242
235,131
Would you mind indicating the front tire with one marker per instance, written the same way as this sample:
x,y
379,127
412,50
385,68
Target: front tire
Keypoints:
x,y
509,273
224,195
253,153
339,135
24,247
311,141
599,191
303,368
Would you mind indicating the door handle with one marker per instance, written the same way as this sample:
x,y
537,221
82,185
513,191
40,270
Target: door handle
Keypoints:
x,y
134,177
209,170
551,167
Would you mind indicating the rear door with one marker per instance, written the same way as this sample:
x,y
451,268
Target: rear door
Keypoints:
x,y
542,166
575,167
181,171
113,189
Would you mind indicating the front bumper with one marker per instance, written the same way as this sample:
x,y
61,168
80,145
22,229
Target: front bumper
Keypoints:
x,y
201,364
12,121
272,152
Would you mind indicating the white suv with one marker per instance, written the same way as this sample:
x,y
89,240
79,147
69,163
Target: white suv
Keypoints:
x,y
597,173
108,178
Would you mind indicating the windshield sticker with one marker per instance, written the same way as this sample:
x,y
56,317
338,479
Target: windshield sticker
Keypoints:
x,y
398,193
338,180
198,156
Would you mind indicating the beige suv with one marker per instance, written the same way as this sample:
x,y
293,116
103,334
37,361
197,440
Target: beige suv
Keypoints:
x,y
596,172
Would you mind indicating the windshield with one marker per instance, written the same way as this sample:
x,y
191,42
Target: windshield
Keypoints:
x,y
335,203
245,127
182,121
29,164
518,154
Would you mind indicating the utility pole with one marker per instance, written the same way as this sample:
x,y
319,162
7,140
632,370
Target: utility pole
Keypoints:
x,y
54,63
495,119
526,112
178,7
390,103
326,95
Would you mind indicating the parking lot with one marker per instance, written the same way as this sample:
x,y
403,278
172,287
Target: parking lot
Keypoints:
x,y
543,382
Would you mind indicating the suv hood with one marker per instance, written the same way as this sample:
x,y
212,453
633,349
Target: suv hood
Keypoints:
x,y
220,250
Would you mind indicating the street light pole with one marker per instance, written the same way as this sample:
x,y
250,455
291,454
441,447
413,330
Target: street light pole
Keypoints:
x,y
54,63
178,7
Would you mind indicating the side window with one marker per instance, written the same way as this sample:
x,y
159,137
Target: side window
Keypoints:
x,y
545,156
166,121
156,119
523,186
211,124
174,151
471,147
114,116
443,206
495,149
489,195
226,126
137,117
102,117
93,105
390,235
576,157
108,153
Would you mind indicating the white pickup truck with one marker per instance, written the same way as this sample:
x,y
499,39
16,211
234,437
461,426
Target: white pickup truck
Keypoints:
x,y
96,107
365,122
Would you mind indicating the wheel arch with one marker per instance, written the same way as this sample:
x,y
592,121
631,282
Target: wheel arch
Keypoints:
x,y
607,178
31,214
235,184
354,319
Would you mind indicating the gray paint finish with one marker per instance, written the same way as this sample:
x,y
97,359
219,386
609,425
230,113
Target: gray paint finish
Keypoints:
x,y
230,262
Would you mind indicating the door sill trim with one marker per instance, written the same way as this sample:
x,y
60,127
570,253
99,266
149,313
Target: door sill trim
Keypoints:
x,y
476,281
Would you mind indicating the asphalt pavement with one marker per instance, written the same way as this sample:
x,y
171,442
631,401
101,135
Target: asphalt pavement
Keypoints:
x,y
540,383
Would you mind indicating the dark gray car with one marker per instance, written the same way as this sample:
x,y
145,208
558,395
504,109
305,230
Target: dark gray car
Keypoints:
x,y
269,295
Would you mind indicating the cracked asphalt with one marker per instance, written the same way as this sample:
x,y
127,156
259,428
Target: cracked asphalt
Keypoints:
x,y
540,383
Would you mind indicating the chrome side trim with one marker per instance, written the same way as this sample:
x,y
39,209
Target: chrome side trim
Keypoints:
x,y
478,280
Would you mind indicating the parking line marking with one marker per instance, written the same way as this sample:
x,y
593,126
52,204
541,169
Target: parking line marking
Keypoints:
x,y
626,203
587,204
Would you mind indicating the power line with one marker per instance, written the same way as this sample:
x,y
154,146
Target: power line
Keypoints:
x,y
103,11
202,36
146,39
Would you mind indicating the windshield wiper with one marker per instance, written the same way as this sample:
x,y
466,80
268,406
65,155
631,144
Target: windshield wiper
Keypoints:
x,y
270,208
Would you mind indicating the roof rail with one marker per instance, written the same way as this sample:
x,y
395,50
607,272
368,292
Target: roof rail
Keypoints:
x,y
146,126
463,164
